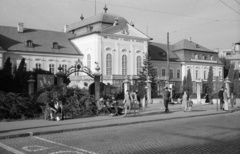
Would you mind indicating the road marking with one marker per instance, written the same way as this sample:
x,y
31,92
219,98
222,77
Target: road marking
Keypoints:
x,y
74,152
35,148
82,150
10,149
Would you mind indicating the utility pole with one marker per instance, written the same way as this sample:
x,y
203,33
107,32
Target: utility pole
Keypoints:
x,y
168,74
95,7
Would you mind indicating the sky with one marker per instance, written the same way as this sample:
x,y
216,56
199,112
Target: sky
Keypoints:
x,y
210,23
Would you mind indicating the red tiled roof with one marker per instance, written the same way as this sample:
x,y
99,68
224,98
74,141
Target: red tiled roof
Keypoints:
x,y
11,39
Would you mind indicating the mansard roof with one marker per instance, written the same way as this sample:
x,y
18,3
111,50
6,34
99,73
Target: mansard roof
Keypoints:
x,y
105,18
158,51
42,41
189,45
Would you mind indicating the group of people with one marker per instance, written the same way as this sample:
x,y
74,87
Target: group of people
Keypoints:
x,y
224,99
111,106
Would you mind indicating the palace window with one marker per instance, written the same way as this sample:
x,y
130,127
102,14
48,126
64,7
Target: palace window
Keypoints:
x,y
205,74
163,72
171,74
109,64
178,74
220,74
124,65
51,68
197,74
139,63
64,67
38,65
89,61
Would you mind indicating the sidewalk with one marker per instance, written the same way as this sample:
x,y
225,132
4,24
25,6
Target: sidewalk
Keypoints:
x,y
154,112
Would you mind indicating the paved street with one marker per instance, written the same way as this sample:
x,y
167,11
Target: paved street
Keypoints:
x,y
212,134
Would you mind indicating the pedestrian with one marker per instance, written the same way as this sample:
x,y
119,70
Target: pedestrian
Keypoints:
x,y
220,96
127,102
184,101
207,99
135,101
225,97
139,102
166,97
189,105
232,100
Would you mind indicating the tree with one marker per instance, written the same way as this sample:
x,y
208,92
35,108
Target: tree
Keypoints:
x,y
231,77
226,62
189,85
210,82
6,76
21,77
148,70
185,83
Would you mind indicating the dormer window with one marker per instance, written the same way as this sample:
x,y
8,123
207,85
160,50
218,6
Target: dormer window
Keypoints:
x,y
89,28
197,46
196,56
55,45
211,57
29,43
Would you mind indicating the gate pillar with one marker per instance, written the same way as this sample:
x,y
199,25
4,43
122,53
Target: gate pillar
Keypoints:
x,y
149,97
60,75
31,85
126,86
97,76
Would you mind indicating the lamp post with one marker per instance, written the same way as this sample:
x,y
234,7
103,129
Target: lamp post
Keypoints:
x,y
216,79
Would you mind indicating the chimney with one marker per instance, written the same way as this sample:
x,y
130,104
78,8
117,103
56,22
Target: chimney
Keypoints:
x,y
20,27
190,39
65,27
132,24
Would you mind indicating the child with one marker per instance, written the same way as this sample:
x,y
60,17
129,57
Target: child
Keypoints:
x,y
190,104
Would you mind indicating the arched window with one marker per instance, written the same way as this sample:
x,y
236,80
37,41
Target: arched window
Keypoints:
x,y
109,64
139,63
124,65
89,61
51,68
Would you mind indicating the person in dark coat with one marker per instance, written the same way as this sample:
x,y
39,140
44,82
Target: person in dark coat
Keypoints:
x,y
166,98
220,96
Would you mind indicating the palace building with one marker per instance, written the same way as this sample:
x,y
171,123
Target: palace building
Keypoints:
x,y
110,41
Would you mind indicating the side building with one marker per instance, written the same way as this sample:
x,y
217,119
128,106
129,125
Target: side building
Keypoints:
x,y
185,55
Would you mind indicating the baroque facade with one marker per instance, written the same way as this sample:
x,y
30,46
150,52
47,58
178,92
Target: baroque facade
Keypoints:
x,y
110,41
185,55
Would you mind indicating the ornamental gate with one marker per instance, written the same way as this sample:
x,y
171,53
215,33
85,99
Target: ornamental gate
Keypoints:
x,y
78,67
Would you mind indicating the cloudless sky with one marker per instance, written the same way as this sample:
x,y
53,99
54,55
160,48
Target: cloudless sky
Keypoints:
x,y
211,23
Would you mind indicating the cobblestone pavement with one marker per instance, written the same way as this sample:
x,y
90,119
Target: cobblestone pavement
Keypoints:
x,y
212,134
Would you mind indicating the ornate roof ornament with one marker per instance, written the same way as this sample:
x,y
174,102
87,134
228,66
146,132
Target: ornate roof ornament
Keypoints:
x,y
105,8
82,17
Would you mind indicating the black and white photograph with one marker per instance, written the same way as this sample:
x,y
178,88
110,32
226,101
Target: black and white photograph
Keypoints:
x,y
119,76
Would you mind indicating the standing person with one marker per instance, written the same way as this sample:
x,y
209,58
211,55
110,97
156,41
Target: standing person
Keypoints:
x,y
166,97
135,102
220,96
225,97
139,103
184,101
127,102
232,99
207,99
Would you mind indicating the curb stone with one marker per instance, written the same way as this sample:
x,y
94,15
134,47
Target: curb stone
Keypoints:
x,y
108,125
